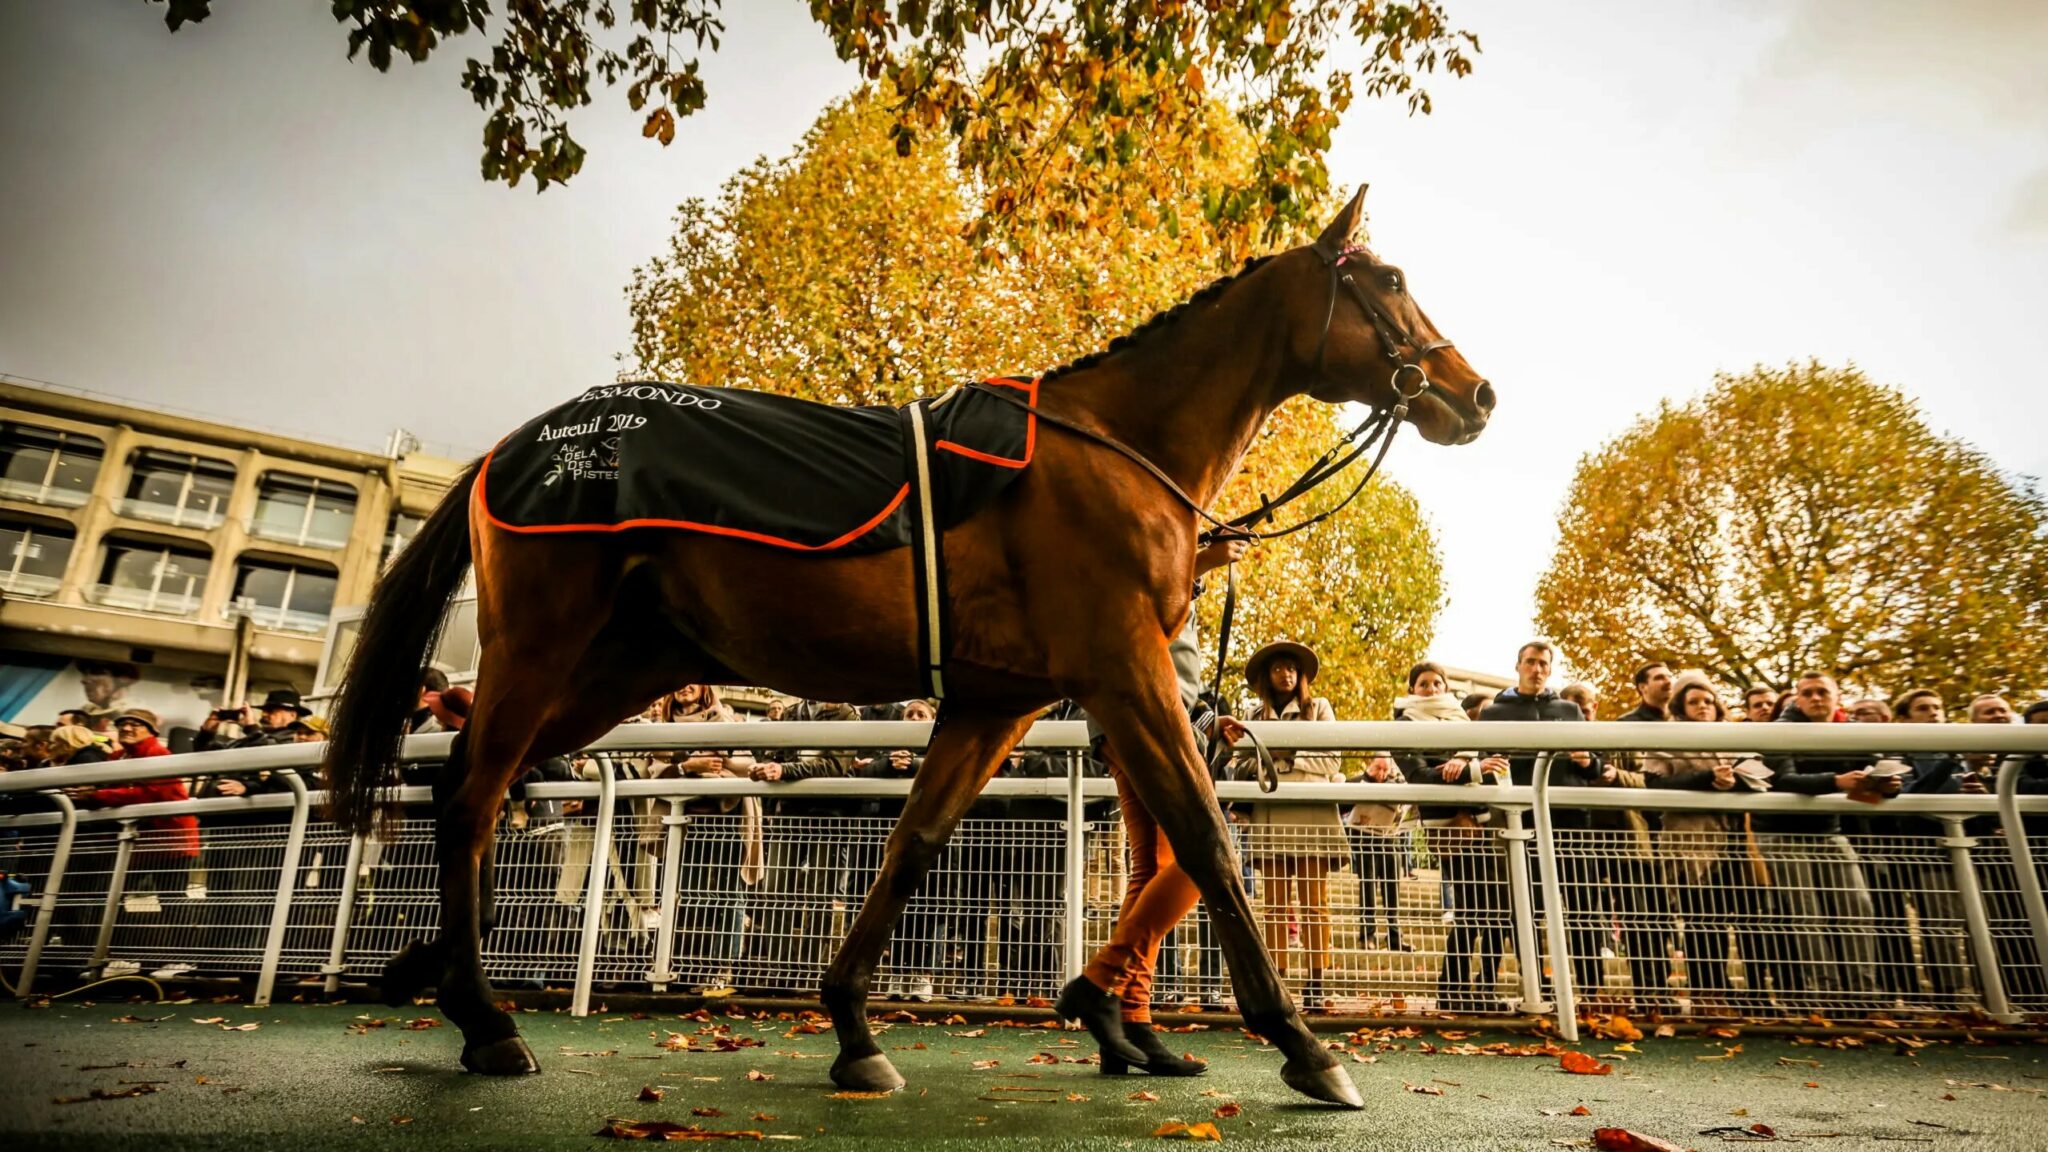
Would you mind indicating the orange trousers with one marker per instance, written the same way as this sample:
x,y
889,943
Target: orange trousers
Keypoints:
x,y
1157,896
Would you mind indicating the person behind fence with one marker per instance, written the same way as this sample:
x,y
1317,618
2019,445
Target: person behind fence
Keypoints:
x,y
1532,700
722,858
1711,861
1472,887
1911,880
1759,704
1823,894
1201,990
168,845
240,852
1635,895
2020,969
433,682
808,853
1377,830
259,727
1295,845
913,962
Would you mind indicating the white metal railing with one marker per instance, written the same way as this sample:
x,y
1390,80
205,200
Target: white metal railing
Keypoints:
x,y
1955,914
277,618
43,494
29,584
305,535
176,515
156,601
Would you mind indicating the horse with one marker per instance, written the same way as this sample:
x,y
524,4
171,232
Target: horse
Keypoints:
x,y
1069,585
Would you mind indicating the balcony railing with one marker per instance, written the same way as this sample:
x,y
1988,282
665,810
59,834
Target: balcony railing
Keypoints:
x,y
42,494
159,602
28,584
278,619
310,536
177,515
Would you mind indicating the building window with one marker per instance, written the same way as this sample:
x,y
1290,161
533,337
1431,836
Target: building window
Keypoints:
x,y
151,578
304,510
32,559
282,597
399,532
173,488
47,466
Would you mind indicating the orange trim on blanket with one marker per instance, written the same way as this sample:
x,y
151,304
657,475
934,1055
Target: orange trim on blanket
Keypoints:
x,y
687,525
1030,429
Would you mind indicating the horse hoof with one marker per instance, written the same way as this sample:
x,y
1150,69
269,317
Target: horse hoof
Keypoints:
x,y
410,973
871,1073
507,1057
1330,1084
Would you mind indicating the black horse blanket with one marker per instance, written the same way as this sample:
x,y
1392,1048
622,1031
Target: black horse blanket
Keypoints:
x,y
752,465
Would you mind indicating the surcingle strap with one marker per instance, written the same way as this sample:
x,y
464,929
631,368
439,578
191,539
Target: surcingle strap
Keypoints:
x,y
927,553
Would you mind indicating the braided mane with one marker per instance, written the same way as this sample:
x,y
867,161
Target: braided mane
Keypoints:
x,y
1158,321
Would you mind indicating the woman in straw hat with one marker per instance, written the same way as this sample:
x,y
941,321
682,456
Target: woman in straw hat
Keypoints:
x,y
1294,845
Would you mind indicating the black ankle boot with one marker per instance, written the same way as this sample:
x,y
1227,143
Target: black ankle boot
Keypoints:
x,y
1101,1013
1159,1059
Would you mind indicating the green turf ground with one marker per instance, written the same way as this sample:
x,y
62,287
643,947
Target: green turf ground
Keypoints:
x,y
306,1079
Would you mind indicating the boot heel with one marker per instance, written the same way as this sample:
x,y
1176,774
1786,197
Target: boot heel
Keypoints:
x,y
1114,1065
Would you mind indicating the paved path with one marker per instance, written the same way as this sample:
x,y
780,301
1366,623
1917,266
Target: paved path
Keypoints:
x,y
310,1078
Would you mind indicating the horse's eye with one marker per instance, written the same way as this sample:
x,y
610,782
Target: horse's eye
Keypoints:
x,y
1394,284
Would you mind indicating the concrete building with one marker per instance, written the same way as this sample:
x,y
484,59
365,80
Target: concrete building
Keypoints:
x,y
149,559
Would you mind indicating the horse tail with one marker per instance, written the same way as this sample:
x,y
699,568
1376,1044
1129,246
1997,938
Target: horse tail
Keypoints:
x,y
381,688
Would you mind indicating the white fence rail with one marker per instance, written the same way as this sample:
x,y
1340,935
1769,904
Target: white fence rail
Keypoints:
x,y
1540,900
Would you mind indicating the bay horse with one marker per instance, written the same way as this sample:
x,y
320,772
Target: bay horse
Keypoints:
x,y
1069,585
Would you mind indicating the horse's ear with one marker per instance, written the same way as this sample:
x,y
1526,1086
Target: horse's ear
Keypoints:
x,y
1347,224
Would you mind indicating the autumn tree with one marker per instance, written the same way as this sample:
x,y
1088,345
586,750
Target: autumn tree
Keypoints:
x,y
1801,518
1050,107
840,273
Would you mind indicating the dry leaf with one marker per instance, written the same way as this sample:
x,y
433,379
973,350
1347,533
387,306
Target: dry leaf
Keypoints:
x,y
251,1026
222,1020
1616,1028
707,1113
757,1074
669,1130
849,1095
140,1019
421,1023
104,1094
1178,1130
1581,1110
1665,1031
1423,1089
1728,1052
1146,1097
985,1065
763,1118
650,1094
1228,1111
1623,1140
1075,1098
1580,1064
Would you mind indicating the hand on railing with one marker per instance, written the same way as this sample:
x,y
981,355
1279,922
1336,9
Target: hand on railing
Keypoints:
x,y
769,772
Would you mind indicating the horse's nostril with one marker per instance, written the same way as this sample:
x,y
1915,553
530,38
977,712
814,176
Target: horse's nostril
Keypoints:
x,y
1483,396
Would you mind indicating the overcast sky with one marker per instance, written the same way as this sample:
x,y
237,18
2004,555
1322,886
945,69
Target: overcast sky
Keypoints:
x,y
1622,200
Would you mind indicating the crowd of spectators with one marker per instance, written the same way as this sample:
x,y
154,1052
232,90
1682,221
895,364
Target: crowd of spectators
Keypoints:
x,y
1674,910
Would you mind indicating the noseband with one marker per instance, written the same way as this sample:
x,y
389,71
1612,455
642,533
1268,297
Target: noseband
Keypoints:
x,y
1402,349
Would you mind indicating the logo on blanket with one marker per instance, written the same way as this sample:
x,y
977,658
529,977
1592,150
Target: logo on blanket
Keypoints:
x,y
580,463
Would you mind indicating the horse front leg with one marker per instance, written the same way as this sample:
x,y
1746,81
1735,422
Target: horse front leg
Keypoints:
x,y
1149,731
965,751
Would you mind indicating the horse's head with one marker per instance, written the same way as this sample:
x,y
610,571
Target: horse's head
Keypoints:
x,y
1365,339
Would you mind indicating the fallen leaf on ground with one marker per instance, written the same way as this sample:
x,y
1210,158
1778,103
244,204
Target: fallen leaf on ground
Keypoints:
x,y
1145,1097
669,1130
1665,1031
1042,1058
421,1024
707,1113
1580,1064
757,1074
1728,1052
762,1117
851,1095
1581,1110
985,1065
1075,1098
1623,1140
140,1019
104,1094
210,1020
650,1094
1616,1028
1627,1048
251,1026
1179,1130
1724,1032
1423,1089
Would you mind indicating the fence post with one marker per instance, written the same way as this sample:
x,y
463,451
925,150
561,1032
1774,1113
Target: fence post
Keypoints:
x,y
1075,899
117,884
599,885
665,940
2022,855
287,885
337,948
1553,907
53,883
1517,838
1971,893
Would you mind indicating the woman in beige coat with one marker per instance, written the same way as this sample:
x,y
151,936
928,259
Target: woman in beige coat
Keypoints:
x,y
1294,846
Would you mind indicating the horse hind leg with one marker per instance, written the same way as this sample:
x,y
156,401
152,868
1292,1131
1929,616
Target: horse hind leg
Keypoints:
x,y
965,751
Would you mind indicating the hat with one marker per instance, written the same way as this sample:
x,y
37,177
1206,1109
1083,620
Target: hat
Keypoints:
x,y
317,725
73,736
2034,709
100,711
285,698
451,708
141,716
1304,658
12,731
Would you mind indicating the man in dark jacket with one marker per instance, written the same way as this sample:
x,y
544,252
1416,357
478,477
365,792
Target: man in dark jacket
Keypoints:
x,y
809,851
1634,892
262,726
1531,699
1823,900
1906,864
